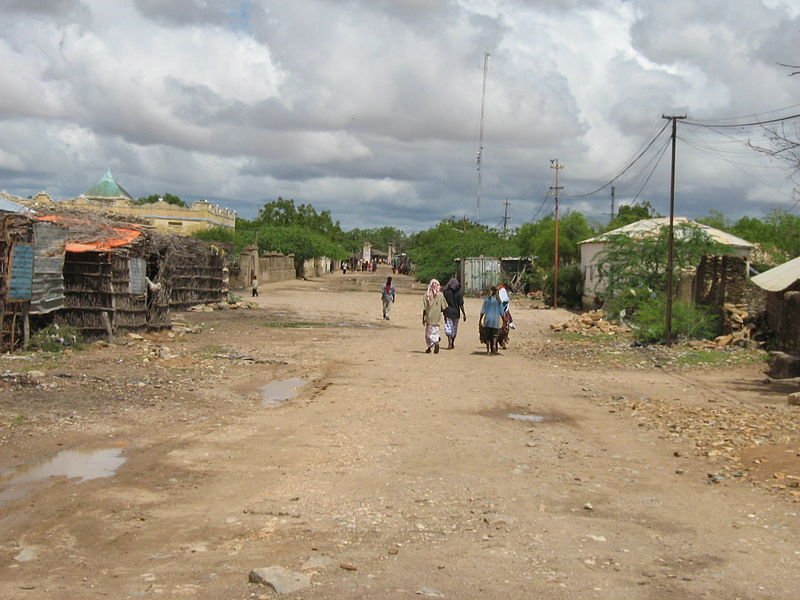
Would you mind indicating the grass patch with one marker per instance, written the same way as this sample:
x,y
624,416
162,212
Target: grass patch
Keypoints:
x,y
718,358
17,420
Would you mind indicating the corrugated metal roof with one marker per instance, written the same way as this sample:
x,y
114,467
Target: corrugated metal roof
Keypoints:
x,y
779,278
647,227
9,206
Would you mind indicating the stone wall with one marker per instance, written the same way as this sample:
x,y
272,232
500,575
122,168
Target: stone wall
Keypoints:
x,y
275,266
787,336
724,279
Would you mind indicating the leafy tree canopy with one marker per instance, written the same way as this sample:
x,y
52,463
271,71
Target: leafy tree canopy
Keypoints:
x,y
538,239
630,213
281,213
435,250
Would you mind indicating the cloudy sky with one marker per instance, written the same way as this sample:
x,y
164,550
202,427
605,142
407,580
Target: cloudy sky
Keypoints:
x,y
371,108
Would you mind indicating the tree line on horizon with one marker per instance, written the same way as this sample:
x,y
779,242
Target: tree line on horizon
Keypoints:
x,y
299,229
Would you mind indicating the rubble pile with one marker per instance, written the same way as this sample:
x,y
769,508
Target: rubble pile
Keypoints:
x,y
741,325
590,323
212,306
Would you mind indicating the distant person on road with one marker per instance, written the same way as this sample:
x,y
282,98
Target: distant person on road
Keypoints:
x,y
387,298
433,306
490,321
254,285
455,309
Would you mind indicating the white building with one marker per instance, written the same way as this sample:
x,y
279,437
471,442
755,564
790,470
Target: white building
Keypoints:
x,y
593,286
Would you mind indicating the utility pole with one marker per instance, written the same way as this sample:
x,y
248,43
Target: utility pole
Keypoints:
x,y
480,137
613,189
671,239
505,218
554,164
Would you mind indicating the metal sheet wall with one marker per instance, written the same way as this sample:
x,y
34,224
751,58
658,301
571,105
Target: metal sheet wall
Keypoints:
x,y
479,273
21,272
48,271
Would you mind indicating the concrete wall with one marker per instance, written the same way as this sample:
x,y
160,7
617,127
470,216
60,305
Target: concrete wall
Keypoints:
x,y
166,217
270,267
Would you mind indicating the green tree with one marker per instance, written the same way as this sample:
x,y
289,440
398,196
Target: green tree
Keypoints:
x,y
630,213
281,212
435,250
717,220
538,239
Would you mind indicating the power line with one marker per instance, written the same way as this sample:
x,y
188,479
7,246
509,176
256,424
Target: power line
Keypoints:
x,y
653,170
627,168
541,206
740,125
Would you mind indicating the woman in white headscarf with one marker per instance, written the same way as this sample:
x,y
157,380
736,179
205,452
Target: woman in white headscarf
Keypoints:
x,y
433,305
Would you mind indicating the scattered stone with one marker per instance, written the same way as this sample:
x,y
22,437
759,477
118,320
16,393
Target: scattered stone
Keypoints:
x,y
793,399
588,506
783,365
394,551
597,538
429,592
348,566
282,580
26,554
35,375
497,520
679,471
590,323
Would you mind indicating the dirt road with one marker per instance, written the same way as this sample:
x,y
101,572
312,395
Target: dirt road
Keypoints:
x,y
545,472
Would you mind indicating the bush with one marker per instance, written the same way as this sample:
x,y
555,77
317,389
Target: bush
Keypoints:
x,y
688,321
55,338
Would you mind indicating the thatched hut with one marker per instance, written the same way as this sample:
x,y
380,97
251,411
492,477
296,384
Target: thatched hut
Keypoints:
x,y
16,277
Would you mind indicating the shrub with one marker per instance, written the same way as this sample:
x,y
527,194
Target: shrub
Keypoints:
x,y
688,321
55,338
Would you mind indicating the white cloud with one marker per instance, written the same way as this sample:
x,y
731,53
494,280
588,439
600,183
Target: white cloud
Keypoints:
x,y
370,109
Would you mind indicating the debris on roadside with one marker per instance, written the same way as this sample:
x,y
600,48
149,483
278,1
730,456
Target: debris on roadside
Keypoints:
x,y
589,323
212,306
741,325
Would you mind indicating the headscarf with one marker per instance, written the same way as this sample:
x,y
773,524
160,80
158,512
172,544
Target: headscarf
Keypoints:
x,y
388,286
453,284
434,287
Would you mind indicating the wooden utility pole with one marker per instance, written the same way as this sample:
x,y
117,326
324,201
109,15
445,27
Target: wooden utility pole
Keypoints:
x,y
554,164
671,239
505,218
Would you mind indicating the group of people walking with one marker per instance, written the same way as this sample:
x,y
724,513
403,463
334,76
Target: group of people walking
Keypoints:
x,y
446,307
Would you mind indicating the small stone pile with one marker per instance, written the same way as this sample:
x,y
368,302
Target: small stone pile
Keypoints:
x,y
590,323
212,306
740,323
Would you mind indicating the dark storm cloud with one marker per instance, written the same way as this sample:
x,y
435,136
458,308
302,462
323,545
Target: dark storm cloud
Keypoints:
x,y
371,109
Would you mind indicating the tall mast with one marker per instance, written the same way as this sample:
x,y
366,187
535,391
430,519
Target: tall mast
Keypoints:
x,y
480,138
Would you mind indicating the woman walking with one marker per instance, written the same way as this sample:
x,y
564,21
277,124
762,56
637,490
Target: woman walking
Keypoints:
x,y
433,306
387,298
490,321
455,309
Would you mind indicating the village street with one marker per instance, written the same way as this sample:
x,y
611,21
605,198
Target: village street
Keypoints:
x,y
545,472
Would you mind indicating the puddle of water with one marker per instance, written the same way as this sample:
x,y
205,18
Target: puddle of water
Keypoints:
x,y
83,464
526,418
277,392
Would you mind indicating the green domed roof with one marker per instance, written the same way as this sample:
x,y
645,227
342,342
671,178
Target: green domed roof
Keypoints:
x,y
107,187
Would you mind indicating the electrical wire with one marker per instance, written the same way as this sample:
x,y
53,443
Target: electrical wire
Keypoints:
x,y
653,170
628,167
741,125
541,206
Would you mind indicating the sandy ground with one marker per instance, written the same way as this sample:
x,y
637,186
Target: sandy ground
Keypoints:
x,y
392,473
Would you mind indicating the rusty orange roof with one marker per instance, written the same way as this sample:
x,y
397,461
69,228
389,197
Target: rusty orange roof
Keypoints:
x,y
107,236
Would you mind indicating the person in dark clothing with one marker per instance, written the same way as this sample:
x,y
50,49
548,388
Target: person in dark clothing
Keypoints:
x,y
454,311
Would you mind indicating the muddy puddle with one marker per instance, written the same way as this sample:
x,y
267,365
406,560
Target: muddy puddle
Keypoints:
x,y
276,393
527,418
82,465
525,414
